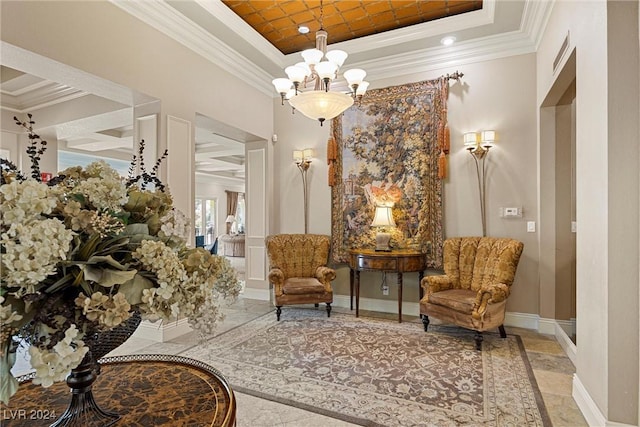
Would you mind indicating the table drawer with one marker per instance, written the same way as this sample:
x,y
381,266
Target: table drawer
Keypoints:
x,y
378,264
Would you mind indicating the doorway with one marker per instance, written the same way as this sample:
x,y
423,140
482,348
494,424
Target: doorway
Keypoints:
x,y
558,147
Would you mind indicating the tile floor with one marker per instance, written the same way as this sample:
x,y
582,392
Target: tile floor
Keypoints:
x,y
552,368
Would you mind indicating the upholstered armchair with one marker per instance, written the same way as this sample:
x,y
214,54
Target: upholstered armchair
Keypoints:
x,y
473,292
298,270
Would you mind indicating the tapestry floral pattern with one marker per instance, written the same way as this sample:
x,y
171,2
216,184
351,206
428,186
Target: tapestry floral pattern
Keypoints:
x,y
387,155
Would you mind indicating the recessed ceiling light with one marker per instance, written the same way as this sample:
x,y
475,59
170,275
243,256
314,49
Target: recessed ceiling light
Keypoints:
x,y
448,41
303,29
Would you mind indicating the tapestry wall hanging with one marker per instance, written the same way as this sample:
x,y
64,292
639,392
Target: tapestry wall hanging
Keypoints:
x,y
389,151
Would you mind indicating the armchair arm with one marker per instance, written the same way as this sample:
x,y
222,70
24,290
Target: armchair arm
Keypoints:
x,y
325,275
432,284
487,294
276,276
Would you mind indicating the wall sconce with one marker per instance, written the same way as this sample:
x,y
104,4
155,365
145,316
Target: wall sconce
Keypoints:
x,y
478,145
383,217
302,158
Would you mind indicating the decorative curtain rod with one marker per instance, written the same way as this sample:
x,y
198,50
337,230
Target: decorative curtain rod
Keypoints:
x,y
455,76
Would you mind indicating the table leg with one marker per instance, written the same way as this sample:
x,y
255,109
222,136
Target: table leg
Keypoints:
x,y
351,289
357,274
420,277
399,297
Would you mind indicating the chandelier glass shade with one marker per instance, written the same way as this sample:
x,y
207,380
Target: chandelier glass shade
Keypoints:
x,y
307,87
321,105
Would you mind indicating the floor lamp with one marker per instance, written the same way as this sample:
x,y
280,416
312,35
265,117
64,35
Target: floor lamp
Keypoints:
x,y
303,161
478,145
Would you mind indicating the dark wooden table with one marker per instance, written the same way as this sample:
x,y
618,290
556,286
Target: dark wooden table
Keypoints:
x,y
145,390
397,261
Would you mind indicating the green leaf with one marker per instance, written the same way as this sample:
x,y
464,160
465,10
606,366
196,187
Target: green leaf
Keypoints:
x,y
132,289
106,259
107,277
133,229
8,384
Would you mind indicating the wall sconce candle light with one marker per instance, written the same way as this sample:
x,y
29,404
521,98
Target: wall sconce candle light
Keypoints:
x,y
478,145
302,158
383,217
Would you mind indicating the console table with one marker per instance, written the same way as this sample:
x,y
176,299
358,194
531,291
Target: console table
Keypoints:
x,y
397,261
144,389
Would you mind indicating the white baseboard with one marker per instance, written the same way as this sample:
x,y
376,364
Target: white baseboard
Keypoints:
x,y
587,406
565,342
162,331
259,294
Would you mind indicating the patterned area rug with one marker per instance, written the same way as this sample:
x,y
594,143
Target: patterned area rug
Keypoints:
x,y
379,373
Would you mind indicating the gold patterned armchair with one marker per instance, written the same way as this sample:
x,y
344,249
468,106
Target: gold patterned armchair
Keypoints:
x,y
298,270
473,292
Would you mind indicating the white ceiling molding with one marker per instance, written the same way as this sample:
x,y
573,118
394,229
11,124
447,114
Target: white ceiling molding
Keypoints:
x,y
244,30
534,19
450,24
170,22
481,49
37,65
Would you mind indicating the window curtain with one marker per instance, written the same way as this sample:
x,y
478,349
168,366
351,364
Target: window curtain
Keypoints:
x,y
232,206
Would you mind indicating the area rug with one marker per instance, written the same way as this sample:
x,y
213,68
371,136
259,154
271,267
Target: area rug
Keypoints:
x,y
374,372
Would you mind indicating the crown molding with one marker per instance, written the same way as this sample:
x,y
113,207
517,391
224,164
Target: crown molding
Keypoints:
x,y
170,22
534,19
164,18
244,30
439,27
482,49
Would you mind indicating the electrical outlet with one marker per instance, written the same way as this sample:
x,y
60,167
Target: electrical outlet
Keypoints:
x,y
385,290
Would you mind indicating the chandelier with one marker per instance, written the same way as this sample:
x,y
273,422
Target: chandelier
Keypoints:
x,y
318,70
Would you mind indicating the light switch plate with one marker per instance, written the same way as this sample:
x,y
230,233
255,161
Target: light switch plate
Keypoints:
x,y
531,226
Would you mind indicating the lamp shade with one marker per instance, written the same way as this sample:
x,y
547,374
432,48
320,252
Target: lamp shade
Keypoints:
x,y
383,217
230,219
319,105
488,138
470,140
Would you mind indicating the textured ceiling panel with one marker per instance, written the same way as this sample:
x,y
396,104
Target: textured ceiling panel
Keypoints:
x,y
278,20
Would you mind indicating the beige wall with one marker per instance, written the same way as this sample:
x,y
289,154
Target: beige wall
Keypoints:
x,y
607,209
497,94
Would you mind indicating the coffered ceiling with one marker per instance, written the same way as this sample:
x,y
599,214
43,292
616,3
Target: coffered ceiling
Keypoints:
x,y
278,21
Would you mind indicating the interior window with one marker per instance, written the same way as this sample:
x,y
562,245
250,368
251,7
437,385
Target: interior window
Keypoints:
x,y
240,214
67,159
205,221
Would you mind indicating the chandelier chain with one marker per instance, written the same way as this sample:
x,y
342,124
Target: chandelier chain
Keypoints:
x,y
321,16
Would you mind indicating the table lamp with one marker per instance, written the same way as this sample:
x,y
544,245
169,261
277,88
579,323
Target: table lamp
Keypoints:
x,y
230,220
383,217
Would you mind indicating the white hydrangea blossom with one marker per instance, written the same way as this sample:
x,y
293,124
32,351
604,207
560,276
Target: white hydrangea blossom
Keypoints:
x,y
104,193
32,251
21,201
160,259
56,364
102,169
175,224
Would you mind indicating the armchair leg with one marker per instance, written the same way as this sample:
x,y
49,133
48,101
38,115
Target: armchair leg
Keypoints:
x,y
328,309
425,322
503,334
278,311
478,338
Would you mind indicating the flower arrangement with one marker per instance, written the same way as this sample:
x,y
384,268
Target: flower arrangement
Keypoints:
x,y
84,251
